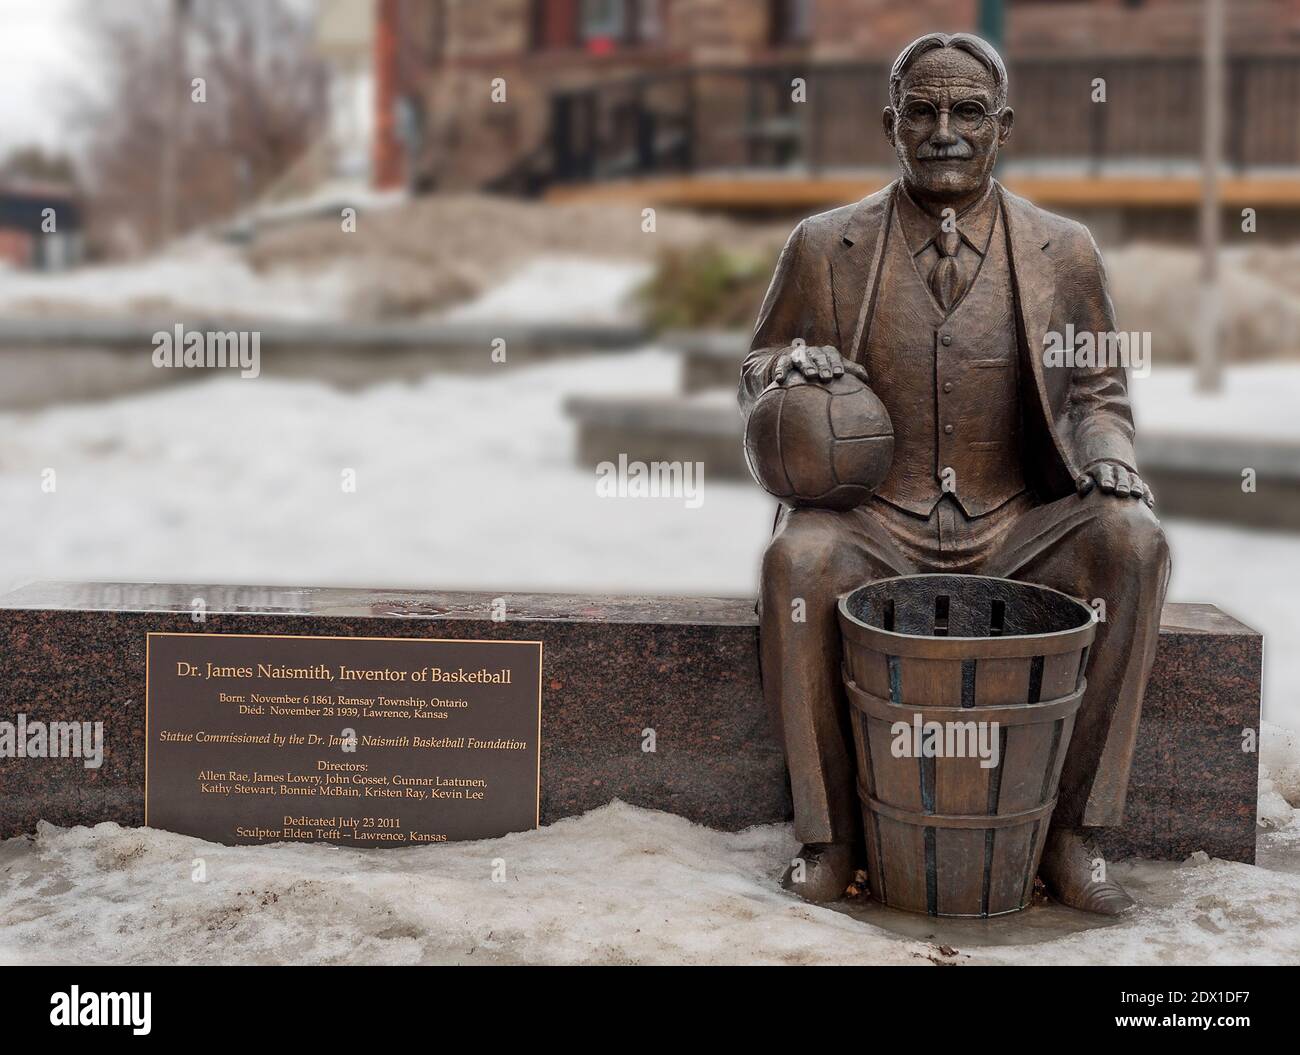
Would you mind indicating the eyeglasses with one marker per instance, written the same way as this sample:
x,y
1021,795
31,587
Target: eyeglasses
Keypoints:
x,y
964,116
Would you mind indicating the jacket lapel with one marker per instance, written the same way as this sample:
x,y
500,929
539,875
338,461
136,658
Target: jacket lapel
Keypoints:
x,y
1034,279
854,269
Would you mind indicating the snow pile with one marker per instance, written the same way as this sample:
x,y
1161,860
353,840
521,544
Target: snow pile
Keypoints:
x,y
560,290
1280,752
195,278
618,885
419,257
1279,777
1155,289
437,251
1273,812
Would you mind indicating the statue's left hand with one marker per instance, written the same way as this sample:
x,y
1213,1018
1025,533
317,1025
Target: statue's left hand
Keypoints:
x,y
1114,479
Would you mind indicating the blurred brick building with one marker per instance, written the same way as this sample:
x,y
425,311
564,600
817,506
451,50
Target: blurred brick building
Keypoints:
x,y
436,62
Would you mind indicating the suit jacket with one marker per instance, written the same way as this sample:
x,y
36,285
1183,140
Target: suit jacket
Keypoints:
x,y
823,292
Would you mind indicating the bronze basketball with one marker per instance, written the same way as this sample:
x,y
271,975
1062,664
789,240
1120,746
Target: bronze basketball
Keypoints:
x,y
825,445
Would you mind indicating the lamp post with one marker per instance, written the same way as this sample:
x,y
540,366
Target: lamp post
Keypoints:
x,y
169,164
1209,363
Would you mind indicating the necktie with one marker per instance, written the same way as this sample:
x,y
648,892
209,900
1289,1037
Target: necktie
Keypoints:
x,y
945,279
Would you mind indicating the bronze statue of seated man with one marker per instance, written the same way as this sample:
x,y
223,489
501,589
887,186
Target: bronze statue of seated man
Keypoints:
x,y
942,291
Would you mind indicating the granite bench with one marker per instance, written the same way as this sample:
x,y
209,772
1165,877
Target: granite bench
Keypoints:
x,y
613,667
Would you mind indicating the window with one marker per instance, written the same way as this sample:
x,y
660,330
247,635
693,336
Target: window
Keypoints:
x,y
603,20
649,21
553,24
791,21
598,25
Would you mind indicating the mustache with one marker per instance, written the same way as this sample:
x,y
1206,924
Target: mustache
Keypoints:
x,y
958,151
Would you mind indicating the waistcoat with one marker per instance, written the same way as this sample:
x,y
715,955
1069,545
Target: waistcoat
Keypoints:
x,y
949,381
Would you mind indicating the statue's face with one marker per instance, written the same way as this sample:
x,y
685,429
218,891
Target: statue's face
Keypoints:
x,y
947,128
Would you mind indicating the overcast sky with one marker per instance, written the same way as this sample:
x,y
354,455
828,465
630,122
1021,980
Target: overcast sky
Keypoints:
x,y
41,53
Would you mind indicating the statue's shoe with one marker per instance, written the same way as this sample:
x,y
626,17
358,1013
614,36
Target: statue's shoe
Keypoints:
x,y
826,871
1069,869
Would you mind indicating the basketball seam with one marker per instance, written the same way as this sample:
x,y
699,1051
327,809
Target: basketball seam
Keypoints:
x,y
830,428
780,451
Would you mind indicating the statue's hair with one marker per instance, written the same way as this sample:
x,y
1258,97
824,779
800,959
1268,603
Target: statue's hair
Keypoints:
x,y
977,47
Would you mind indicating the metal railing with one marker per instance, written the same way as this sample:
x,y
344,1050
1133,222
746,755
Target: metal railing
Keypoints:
x,y
746,117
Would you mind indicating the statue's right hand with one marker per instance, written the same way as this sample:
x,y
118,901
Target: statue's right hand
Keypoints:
x,y
801,362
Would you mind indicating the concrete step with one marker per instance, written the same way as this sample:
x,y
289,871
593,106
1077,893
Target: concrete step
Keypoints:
x,y
710,358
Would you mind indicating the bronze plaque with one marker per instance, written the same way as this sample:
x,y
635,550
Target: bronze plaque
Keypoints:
x,y
356,741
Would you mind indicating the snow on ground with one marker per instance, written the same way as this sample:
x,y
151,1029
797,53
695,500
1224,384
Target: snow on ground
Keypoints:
x,y
617,885
462,482
1257,401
